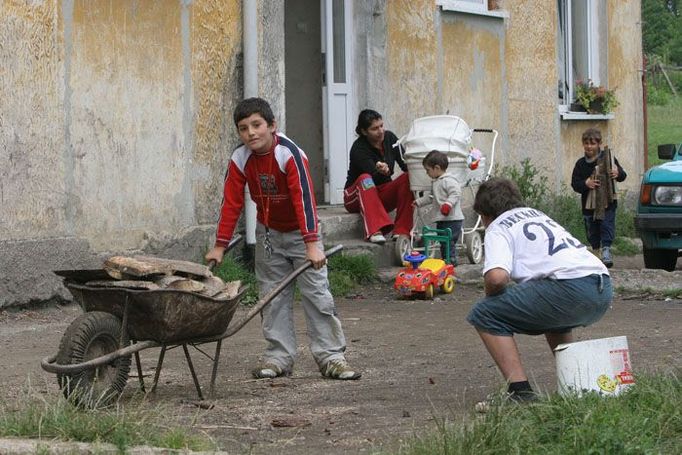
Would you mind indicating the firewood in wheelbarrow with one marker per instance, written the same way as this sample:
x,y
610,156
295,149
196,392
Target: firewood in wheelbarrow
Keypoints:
x,y
124,267
128,284
230,290
177,267
213,285
187,284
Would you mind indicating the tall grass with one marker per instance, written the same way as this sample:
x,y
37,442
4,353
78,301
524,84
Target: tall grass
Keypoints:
x,y
33,416
664,126
647,418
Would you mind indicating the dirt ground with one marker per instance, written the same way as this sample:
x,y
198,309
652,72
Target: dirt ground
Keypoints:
x,y
420,361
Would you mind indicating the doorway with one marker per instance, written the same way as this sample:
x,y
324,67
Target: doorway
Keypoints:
x,y
303,85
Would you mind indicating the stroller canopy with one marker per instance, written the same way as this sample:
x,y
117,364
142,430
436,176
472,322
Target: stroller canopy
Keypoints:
x,y
446,133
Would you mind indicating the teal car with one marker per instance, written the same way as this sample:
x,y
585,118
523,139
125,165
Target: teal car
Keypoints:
x,y
659,211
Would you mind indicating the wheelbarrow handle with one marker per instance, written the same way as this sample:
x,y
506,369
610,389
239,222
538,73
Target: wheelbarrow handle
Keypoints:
x,y
234,328
235,240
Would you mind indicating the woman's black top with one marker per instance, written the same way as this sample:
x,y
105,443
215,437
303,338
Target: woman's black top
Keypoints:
x,y
363,159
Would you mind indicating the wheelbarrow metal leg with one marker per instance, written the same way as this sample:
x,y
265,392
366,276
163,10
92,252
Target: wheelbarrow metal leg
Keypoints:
x,y
191,370
159,365
139,371
216,360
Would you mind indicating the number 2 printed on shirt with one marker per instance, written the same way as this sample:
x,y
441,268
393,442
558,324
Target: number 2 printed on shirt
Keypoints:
x,y
555,244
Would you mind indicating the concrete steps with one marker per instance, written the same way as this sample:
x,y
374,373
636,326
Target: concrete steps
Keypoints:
x,y
340,227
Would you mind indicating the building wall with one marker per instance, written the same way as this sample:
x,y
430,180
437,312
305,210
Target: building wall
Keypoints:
x,y
415,59
115,131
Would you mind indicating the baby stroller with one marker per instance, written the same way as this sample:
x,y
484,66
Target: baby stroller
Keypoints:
x,y
451,135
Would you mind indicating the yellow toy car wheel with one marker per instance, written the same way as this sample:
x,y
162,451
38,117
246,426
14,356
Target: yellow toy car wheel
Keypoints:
x,y
429,292
448,285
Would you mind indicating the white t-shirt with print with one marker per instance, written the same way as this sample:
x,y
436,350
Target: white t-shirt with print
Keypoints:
x,y
529,245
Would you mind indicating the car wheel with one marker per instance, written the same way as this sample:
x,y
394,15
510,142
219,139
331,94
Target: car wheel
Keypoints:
x,y
448,285
429,292
657,258
474,247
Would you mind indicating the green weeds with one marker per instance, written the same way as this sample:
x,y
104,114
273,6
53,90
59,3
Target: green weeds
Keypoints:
x,y
33,416
646,418
664,126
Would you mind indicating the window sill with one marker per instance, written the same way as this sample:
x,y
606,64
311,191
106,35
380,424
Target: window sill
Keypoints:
x,y
499,14
585,116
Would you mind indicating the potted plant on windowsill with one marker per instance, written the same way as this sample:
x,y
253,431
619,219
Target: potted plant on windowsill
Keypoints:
x,y
594,99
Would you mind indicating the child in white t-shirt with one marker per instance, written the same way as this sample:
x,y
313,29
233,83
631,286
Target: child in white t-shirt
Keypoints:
x,y
560,285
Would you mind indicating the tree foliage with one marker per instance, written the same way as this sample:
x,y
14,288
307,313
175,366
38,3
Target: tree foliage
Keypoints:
x,y
662,29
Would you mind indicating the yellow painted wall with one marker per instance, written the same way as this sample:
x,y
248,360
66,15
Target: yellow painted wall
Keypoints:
x,y
116,116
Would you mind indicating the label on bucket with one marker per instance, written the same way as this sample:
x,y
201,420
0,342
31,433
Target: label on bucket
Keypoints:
x,y
620,363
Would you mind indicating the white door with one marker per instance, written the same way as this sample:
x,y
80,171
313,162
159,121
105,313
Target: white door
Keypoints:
x,y
336,95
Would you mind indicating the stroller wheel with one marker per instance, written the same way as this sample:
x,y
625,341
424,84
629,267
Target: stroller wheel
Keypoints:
x,y
474,247
402,247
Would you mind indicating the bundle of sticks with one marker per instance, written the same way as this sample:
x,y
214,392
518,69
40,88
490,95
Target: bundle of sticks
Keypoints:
x,y
150,273
599,198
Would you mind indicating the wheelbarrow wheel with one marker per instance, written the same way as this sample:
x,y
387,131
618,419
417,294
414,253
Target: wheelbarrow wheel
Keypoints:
x,y
474,247
89,336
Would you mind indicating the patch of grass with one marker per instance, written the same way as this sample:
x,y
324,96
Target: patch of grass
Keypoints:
x,y
664,126
346,272
646,418
33,416
232,269
624,246
673,294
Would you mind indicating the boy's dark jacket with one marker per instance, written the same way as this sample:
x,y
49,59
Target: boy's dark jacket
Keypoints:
x,y
582,170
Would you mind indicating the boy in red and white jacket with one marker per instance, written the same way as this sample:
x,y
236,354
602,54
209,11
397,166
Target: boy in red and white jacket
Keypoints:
x,y
278,176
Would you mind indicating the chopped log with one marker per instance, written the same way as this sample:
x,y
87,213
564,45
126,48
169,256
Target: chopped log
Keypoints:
x,y
123,267
186,284
212,286
128,284
230,291
177,267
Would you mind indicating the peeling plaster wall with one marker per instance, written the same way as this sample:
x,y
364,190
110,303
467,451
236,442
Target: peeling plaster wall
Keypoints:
x,y
115,131
474,85
411,51
532,73
217,86
33,178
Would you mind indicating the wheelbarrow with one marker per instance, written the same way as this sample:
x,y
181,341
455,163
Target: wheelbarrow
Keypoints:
x,y
94,356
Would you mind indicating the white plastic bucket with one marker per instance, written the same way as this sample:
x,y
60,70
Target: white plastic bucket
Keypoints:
x,y
601,365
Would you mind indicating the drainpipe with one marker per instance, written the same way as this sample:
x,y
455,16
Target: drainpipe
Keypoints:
x,y
250,65
645,115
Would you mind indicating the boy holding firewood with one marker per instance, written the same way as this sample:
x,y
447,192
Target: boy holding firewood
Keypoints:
x,y
593,177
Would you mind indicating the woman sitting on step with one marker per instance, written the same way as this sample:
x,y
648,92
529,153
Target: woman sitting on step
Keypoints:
x,y
370,189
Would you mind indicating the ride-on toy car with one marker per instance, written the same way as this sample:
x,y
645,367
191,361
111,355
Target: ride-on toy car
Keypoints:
x,y
659,211
423,275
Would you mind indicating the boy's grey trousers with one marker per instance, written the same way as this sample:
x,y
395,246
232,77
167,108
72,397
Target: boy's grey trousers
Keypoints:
x,y
327,341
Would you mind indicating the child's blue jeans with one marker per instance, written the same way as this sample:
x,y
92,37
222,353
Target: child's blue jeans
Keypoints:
x,y
600,233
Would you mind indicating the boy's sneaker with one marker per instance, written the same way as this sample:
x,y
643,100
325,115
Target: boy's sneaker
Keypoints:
x,y
498,399
378,238
606,257
339,369
269,371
